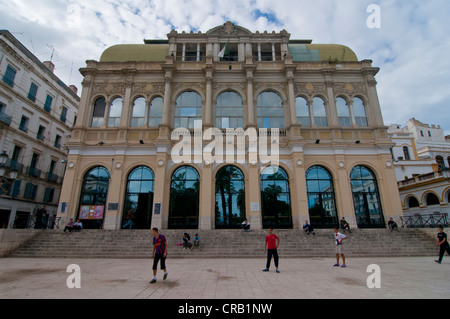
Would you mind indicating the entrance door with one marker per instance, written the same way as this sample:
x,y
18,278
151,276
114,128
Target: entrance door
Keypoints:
x,y
139,198
366,199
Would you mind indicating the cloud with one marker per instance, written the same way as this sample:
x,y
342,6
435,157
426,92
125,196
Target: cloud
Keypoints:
x,y
410,48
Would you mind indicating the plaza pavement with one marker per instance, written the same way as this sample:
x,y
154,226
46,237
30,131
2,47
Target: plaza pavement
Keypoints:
x,y
300,278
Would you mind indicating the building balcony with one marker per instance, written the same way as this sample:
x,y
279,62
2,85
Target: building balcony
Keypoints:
x,y
53,178
33,171
5,119
13,165
425,178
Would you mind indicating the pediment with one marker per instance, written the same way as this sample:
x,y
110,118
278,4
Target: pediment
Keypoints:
x,y
229,28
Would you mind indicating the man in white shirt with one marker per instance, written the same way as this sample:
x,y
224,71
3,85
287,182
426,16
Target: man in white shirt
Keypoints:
x,y
339,238
246,225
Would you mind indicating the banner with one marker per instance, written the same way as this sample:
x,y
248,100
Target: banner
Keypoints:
x,y
91,211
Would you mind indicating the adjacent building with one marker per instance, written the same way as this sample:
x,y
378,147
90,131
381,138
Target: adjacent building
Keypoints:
x,y
422,166
37,113
301,121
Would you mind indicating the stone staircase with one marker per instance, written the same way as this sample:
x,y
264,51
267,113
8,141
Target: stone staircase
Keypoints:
x,y
225,244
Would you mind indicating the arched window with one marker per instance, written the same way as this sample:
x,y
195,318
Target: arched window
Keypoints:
x,y
366,198
413,202
343,112
139,198
359,112
98,114
188,108
440,162
138,112
230,197
229,112
406,153
432,199
184,198
321,199
94,192
270,112
115,111
319,112
155,112
302,112
275,198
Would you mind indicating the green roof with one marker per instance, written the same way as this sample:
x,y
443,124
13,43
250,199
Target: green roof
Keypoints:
x,y
157,52
321,52
135,53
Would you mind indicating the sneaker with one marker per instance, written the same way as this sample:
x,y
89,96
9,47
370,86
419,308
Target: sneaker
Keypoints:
x,y
437,261
277,271
343,266
336,265
153,281
165,277
267,269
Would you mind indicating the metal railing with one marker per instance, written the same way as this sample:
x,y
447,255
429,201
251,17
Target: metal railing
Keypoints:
x,y
33,223
423,221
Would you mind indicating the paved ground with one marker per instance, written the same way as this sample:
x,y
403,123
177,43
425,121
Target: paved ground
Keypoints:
x,y
412,277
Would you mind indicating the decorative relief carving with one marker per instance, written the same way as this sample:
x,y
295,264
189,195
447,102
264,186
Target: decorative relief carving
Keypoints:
x,y
147,88
109,88
350,88
310,88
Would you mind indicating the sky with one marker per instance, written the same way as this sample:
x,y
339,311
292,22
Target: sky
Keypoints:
x,y
409,40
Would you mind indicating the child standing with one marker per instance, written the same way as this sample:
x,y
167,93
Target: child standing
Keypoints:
x,y
339,238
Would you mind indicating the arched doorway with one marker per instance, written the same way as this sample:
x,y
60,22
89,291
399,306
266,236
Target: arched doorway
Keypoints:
x,y
230,197
275,198
93,197
366,198
184,198
139,197
321,199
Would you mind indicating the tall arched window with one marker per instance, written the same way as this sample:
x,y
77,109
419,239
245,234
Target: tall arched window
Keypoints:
x,y
155,112
184,198
98,113
359,112
319,112
138,112
115,111
275,198
432,199
229,112
230,197
139,198
406,153
321,199
366,198
93,197
270,112
440,162
188,108
343,112
413,202
302,112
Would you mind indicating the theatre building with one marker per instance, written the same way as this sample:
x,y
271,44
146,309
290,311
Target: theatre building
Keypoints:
x,y
149,113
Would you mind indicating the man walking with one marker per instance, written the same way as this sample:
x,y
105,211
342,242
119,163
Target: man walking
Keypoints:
x,y
339,247
271,245
442,243
159,253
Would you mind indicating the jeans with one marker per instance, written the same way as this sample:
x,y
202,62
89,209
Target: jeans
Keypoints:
x,y
270,253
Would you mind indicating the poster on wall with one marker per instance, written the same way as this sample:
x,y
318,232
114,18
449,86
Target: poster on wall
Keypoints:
x,y
91,211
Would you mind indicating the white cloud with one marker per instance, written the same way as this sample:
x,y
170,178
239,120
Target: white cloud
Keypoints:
x,y
411,46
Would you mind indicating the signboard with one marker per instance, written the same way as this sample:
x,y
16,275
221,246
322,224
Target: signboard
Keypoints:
x,y
91,211
254,207
157,209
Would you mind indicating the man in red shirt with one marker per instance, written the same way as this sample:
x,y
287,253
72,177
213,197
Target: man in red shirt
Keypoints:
x,y
272,243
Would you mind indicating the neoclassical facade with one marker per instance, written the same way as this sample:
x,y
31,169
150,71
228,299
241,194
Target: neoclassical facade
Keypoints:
x,y
313,107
